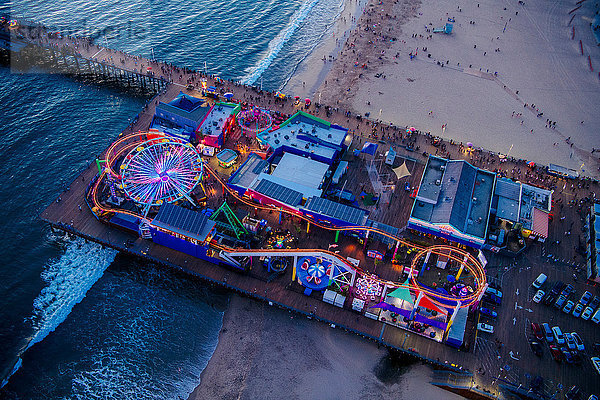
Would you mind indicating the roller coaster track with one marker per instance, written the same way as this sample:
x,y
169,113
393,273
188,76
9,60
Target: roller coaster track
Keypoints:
x,y
120,147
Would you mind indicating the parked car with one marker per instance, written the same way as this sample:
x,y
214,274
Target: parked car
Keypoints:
x,y
539,281
549,298
485,327
568,307
556,354
596,317
560,301
548,332
567,290
596,363
492,298
578,341
587,313
558,335
573,394
567,355
570,341
488,313
537,331
595,302
557,288
538,296
585,298
578,309
493,291
536,347
576,357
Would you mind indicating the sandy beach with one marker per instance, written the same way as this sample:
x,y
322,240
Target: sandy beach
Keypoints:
x,y
268,353
509,78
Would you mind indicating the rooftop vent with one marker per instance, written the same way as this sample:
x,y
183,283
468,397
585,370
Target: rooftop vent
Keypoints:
x,y
474,199
438,182
442,167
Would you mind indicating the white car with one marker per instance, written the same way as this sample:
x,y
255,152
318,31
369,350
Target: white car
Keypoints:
x,y
493,291
538,296
570,341
485,327
558,335
539,281
596,362
587,313
578,341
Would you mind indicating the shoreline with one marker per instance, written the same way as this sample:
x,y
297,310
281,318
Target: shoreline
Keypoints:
x,y
311,72
268,353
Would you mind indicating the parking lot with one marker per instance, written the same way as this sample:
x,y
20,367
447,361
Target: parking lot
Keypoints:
x,y
506,354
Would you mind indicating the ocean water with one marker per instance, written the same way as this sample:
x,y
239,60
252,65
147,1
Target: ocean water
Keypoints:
x,y
80,321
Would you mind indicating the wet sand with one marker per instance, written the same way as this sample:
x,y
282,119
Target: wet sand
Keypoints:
x,y
268,353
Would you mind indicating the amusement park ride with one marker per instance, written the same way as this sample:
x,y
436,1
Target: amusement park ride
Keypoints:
x,y
151,169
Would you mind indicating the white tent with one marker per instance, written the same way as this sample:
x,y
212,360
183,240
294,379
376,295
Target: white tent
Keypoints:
x,y
401,171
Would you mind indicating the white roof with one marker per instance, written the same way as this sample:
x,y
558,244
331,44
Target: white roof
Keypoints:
x,y
300,170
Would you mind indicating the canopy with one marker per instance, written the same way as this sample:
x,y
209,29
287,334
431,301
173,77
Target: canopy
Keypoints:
x,y
228,95
428,304
369,148
401,171
402,293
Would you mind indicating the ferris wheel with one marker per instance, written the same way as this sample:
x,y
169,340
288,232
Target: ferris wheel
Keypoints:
x,y
161,171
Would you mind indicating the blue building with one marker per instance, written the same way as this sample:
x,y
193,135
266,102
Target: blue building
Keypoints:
x,y
180,117
183,230
453,201
307,136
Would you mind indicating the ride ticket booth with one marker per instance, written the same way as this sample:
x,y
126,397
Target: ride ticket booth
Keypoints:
x,y
378,251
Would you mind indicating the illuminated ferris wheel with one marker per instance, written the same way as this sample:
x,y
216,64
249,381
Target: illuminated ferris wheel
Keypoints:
x,y
161,171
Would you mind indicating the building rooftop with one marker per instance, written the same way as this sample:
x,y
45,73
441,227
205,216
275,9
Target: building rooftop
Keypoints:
x,y
184,106
277,191
342,212
430,187
185,222
307,134
214,122
301,170
455,193
248,171
533,198
508,195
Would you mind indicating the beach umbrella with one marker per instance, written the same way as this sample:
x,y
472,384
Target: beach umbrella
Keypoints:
x,y
307,101
297,97
149,69
411,129
531,164
228,95
469,144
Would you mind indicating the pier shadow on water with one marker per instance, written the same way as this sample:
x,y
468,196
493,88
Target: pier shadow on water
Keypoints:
x,y
390,368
